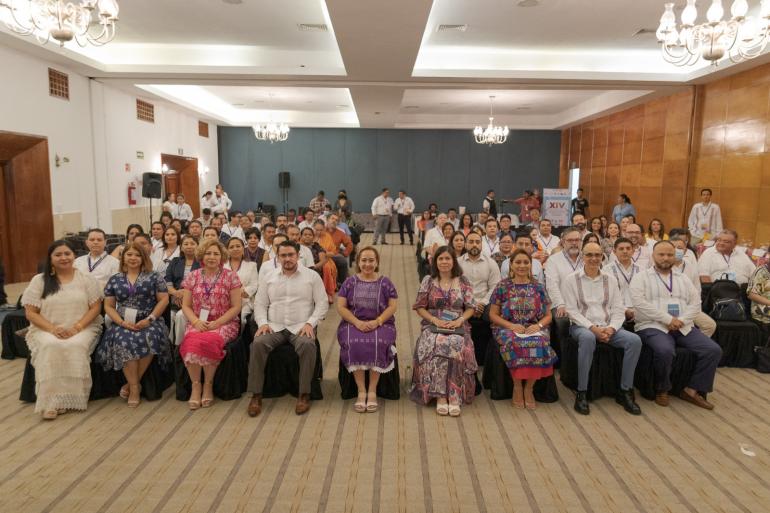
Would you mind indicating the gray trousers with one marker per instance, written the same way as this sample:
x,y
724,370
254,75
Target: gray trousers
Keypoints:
x,y
629,342
381,224
260,350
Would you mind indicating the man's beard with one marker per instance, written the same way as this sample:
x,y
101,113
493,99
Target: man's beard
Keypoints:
x,y
664,266
474,251
289,266
573,252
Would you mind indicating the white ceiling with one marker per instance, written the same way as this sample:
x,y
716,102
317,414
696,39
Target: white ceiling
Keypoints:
x,y
382,64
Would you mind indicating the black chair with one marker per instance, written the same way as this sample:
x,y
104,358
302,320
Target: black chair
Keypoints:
x,y
230,380
497,378
388,387
481,334
13,345
282,373
604,378
681,372
738,340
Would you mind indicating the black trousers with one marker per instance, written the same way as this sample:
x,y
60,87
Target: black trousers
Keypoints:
x,y
405,220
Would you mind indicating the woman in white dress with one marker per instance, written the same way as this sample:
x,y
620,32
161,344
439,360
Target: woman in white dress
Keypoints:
x,y
248,274
62,306
162,257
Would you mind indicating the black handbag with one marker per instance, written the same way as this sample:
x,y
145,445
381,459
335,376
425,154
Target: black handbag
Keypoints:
x,y
763,359
446,331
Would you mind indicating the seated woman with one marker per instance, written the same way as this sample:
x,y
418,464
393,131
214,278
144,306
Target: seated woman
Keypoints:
x,y
252,252
656,232
444,364
457,243
166,218
466,224
247,273
62,305
176,272
367,332
424,224
212,304
132,231
519,306
135,299
169,250
179,225
323,265
759,293
210,233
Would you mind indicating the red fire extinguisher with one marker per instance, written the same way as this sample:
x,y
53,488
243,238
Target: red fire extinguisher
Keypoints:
x,y
131,193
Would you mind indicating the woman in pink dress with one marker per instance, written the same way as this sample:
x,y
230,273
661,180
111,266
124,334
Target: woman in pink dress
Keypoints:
x,y
212,305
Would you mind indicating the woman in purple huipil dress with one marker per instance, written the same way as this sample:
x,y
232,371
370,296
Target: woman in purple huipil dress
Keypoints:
x,y
367,332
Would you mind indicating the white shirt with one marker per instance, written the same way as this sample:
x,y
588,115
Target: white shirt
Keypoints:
x,y
305,224
714,264
234,231
651,298
624,276
156,243
642,257
183,212
205,223
404,206
455,222
101,268
702,215
249,276
169,206
489,246
548,244
690,270
483,275
593,301
537,270
434,236
160,261
382,206
289,302
557,268
306,256
220,203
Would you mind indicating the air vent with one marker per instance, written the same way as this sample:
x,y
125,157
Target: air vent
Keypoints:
x,y
412,107
528,3
313,27
644,32
145,111
203,129
452,28
58,84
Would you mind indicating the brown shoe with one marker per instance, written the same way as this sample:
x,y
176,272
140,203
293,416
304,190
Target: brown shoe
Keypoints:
x,y
661,398
255,405
303,404
697,400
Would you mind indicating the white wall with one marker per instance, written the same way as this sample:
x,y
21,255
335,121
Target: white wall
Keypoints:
x,y
99,133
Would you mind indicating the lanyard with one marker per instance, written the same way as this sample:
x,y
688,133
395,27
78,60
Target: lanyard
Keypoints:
x,y
208,289
132,286
670,285
491,246
727,259
93,266
637,253
577,263
547,244
705,212
619,267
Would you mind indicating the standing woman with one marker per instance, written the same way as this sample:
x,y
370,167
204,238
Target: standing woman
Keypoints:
x,y
367,332
62,305
322,264
457,243
162,256
135,299
444,364
212,303
520,305
623,208
247,273
176,272
423,225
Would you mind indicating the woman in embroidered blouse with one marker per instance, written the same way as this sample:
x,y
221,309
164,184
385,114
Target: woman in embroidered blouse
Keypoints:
x,y
176,272
62,305
247,273
444,363
366,303
759,293
519,306
135,299
212,304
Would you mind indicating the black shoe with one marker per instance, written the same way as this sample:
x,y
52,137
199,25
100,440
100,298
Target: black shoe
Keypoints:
x,y
402,243
385,243
625,398
581,403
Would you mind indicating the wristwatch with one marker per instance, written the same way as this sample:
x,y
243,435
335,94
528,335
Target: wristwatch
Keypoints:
x,y
541,326
151,318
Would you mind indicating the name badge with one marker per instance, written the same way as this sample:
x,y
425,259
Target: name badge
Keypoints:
x,y
130,315
673,309
204,315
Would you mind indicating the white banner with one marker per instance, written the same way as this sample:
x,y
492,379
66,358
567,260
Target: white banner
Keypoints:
x,y
556,206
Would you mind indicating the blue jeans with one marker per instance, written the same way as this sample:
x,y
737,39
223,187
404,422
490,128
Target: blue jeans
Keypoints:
x,y
629,342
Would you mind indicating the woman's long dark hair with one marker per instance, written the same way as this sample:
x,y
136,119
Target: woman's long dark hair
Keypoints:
x,y
132,226
456,269
51,284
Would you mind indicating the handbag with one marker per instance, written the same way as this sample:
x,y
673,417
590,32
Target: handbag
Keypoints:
x,y
447,331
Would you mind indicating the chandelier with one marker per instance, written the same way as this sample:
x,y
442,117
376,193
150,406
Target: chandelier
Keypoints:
x,y
740,38
491,134
270,131
85,21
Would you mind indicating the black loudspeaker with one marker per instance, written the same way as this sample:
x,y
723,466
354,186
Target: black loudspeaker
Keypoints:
x,y
284,180
151,185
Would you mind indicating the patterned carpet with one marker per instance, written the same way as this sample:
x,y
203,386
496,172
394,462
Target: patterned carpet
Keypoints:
x,y
164,458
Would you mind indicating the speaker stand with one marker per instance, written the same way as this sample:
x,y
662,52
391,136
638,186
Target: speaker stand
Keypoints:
x,y
285,199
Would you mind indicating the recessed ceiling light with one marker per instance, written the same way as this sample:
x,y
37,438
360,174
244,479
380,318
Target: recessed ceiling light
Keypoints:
x,y
452,28
233,2
312,27
341,106
528,3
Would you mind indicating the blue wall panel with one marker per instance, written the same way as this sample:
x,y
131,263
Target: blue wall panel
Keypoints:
x,y
444,166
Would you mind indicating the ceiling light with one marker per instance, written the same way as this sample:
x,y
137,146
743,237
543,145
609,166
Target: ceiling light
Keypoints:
x,y
233,2
85,21
312,27
643,32
452,28
271,131
528,3
523,108
491,134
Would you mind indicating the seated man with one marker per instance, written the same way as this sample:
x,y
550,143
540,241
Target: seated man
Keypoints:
x,y
506,250
595,307
205,218
291,217
545,238
288,307
524,241
557,268
195,230
266,243
641,253
182,211
341,240
690,269
490,242
665,305
97,263
483,274
305,255
724,259
272,264
505,225
281,222
579,222
434,238
624,269
307,222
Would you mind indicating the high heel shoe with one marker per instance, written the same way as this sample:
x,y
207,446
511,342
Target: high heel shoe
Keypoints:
x,y
209,399
360,405
194,404
371,403
442,409
134,403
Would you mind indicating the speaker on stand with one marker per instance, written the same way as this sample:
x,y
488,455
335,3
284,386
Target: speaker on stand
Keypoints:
x,y
284,182
152,184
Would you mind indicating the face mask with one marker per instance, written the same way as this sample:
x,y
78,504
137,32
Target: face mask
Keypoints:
x,y
679,253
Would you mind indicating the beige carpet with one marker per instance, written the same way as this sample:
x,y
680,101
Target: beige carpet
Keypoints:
x,y
164,458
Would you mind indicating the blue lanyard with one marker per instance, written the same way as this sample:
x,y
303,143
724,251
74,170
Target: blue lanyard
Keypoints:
x,y
670,285
208,289
95,264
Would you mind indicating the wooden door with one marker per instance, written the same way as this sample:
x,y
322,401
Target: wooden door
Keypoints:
x,y
183,177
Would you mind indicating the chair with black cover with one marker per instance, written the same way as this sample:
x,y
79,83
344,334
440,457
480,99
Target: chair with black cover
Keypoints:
x,y
14,345
497,378
681,371
282,373
738,340
388,387
604,378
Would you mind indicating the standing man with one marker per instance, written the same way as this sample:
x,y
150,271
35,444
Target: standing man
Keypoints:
x,y
580,204
97,263
488,205
546,240
404,207
705,219
288,307
319,203
665,306
382,208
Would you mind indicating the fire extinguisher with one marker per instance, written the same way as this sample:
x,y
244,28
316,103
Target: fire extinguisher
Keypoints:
x,y
131,193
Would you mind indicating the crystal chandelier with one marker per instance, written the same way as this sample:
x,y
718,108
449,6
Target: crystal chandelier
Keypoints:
x,y
85,21
491,134
740,38
271,131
